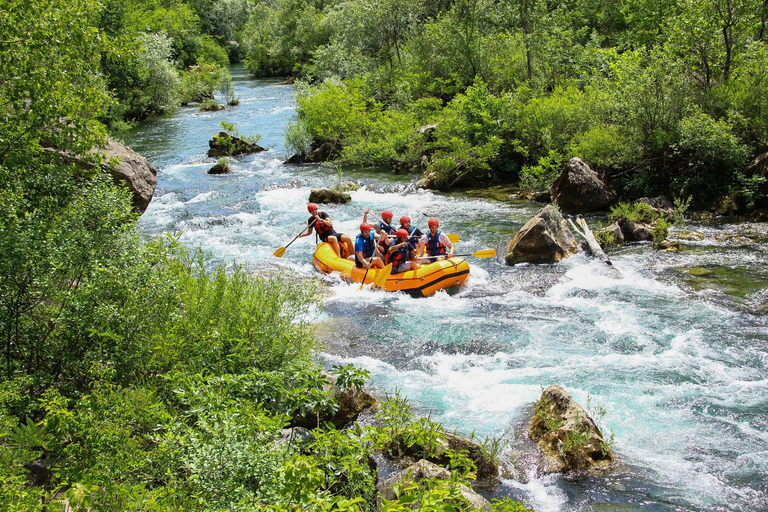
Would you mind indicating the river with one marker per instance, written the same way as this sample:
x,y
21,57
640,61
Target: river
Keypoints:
x,y
678,361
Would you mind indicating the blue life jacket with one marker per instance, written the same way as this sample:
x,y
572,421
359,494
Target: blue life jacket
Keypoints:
x,y
368,244
387,228
434,246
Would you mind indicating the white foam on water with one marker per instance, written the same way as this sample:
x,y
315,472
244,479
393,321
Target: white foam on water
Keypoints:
x,y
204,197
542,493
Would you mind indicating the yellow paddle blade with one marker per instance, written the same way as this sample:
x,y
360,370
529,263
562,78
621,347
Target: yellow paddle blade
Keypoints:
x,y
279,253
453,237
382,275
485,253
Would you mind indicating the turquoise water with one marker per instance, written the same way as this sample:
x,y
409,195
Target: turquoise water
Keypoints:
x,y
679,362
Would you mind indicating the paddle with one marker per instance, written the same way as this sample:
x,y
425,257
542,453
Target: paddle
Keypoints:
x,y
279,253
382,276
364,276
484,253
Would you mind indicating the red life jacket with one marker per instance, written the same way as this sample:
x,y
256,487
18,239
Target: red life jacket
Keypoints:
x,y
400,256
321,227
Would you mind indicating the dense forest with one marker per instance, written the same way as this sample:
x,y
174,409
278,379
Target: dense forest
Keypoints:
x,y
136,375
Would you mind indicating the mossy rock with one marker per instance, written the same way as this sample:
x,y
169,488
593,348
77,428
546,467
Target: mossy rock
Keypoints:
x,y
700,271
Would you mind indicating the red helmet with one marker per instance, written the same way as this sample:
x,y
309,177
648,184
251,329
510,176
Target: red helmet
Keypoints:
x,y
386,214
311,207
404,219
365,227
433,222
401,233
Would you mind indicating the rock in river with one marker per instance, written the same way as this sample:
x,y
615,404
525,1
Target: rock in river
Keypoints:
x,y
225,144
579,189
567,436
327,195
543,239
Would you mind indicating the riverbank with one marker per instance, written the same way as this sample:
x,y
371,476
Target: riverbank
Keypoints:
x,y
679,367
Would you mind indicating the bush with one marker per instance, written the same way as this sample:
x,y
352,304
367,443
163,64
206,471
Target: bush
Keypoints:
x,y
712,152
606,147
541,177
199,82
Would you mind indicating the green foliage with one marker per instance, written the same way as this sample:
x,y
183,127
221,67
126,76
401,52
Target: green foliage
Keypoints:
x,y
350,377
660,230
541,177
509,505
199,82
641,213
714,154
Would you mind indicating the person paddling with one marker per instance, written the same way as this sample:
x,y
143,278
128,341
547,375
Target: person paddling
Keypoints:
x,y
436,243
365,249
414,234
384,226
401,253
323,225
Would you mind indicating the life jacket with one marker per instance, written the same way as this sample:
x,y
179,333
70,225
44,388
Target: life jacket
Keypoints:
x,y
322,227
387,228
434,246
368,244
400,256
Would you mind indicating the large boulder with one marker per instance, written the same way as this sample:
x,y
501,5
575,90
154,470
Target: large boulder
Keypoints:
x,y
318,153
327,195
661,205
351,403
567,436
543,239
579,189
636,231
126,167
424,470
226,144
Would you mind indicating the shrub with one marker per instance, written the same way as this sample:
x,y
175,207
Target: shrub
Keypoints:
x,y
540,177
635,212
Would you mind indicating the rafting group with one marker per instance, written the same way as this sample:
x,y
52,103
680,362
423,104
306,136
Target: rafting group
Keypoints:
x,y
393,259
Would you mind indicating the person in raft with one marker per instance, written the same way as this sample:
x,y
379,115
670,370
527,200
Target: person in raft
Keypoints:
x,y
383,226
366,249
401,253
437,244
414,234
322,223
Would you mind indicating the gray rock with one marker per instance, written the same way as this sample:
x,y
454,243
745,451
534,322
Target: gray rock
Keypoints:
x,y
579,189
327,195
660,204
126,167
610,236
423,470
225,144
566,434
293,436
635,231
543,239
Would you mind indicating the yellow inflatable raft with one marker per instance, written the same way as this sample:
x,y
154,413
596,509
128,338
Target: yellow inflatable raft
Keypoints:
x,y
424,281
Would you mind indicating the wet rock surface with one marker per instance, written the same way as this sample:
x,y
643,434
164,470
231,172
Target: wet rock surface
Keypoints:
x,y
579,189
327,195
225,144
545,238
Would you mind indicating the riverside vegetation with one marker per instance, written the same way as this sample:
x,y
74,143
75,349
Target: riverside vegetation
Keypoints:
x,y
659,97
135,374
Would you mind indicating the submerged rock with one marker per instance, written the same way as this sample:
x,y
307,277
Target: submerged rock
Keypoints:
x,y
424,470
220,168
700,271
566,434
692,235
579,189
543,239
667,246
327,195
225,144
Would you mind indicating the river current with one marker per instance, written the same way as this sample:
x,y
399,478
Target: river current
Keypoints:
x,y
675,351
